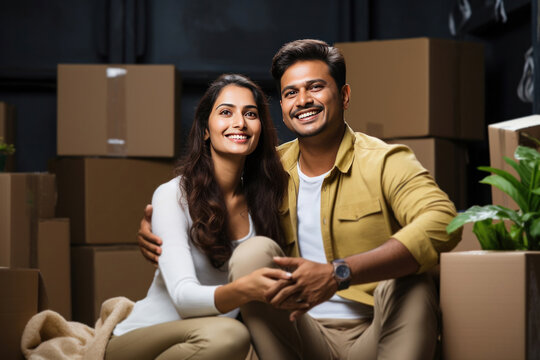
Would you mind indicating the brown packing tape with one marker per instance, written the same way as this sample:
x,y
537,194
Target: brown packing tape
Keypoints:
x,y
116,111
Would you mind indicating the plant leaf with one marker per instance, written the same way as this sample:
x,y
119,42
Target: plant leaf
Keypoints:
x,y
507,187
534,231
486,234
526,153
506,175
480,213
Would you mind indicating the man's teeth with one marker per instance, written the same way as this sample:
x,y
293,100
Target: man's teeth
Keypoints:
x,y
238,137
305,115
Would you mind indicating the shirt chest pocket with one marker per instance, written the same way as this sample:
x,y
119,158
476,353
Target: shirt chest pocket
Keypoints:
x,y
360,225
358,210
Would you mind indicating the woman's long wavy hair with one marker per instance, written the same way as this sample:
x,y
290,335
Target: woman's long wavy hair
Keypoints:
x,y
263,182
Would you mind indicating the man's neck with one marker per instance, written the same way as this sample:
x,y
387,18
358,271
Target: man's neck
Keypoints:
x,y
318,154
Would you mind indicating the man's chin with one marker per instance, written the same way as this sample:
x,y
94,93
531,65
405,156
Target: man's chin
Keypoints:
x,y
308,133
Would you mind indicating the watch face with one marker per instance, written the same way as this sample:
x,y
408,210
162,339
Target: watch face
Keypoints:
x,y
343,271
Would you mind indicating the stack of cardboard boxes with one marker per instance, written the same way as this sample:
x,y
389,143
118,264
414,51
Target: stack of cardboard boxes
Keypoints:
x,y
494,295
425,93
34,248
111,120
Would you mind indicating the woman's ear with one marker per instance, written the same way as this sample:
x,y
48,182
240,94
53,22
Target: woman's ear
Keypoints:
x,y
206,134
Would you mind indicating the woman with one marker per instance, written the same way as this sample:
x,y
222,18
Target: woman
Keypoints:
x,y
228,188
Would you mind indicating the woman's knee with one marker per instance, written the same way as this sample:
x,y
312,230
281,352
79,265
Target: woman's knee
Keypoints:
x,y
252,254
227,339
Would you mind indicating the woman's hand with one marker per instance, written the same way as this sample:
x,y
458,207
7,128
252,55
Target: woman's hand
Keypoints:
x,y
149,244
255,285
252,287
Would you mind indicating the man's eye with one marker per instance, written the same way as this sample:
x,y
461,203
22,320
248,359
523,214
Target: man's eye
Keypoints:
x,y
290,93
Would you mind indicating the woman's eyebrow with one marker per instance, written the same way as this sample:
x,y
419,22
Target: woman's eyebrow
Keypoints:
x,y
225,104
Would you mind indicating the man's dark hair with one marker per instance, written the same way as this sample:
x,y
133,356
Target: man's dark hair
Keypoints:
x,y
309,49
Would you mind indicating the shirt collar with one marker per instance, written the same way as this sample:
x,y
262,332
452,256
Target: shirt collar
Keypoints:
x,y
344,156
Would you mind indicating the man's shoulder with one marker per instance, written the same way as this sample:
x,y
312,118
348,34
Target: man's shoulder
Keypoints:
x,y
366,142
283,148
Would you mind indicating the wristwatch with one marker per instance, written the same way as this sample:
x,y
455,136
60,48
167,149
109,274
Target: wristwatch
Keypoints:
x,y
342,274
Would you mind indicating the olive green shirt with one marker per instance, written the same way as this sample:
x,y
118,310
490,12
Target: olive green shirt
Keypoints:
x,y
374,192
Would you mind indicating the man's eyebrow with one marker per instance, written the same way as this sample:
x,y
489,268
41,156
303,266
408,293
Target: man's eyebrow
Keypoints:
x,y
307,83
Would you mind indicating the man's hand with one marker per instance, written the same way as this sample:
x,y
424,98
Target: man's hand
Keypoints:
x,y
149,244
311,283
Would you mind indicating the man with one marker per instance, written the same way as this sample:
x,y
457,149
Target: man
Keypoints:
x,y
357,211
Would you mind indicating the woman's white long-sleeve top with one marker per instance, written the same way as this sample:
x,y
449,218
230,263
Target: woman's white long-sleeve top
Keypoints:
x,y
185,281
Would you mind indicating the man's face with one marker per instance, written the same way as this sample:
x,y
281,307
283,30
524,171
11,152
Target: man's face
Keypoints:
x,y
310,99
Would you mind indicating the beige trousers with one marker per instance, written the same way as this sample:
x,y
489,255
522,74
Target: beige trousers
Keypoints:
x,y
198,338
404,326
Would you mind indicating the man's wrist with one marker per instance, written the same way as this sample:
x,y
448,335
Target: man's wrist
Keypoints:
x,y
342,274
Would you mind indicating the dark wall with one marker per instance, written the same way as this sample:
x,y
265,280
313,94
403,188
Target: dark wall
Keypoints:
x,y
204,38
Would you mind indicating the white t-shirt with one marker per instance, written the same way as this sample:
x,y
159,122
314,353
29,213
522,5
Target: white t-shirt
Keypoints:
x,y
310,243
185,282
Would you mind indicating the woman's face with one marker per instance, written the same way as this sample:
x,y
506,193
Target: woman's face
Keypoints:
x,y
234,126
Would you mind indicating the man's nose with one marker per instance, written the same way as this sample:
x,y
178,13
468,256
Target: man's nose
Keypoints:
x,y
304,98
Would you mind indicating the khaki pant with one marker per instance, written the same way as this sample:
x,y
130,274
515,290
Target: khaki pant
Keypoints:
x,y
198,338
404,326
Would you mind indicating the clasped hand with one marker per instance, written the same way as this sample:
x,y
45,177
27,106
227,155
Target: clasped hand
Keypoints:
x,y
311,283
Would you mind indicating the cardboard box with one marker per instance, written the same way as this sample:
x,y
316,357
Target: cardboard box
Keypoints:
x,y
118,110
504,138
53,261
18,303
415,88
105,198
24,198
490,305
103,272
446,161
7,131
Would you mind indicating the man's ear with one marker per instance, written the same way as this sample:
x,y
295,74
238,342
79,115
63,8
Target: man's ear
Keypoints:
x,y
345,96
206,134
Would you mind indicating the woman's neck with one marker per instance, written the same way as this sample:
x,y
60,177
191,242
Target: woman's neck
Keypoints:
x,y
228,172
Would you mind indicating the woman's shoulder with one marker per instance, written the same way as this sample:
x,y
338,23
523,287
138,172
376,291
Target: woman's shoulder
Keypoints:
x,y
169,189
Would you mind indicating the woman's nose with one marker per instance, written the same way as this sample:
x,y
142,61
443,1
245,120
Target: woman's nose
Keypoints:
x,y
238,121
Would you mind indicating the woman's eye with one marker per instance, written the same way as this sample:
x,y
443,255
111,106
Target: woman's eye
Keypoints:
x,y
251,114
225,112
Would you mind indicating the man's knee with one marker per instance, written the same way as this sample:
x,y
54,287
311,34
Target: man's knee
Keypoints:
x,y
413,295
413,285
252,254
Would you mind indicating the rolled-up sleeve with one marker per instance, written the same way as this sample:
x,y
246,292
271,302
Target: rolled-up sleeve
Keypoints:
x,y
422,209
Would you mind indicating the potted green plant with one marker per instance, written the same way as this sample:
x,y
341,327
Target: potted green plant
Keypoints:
x,y
489,221
488,295
5,151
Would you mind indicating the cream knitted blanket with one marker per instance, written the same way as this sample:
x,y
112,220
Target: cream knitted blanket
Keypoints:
x,y
49,336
